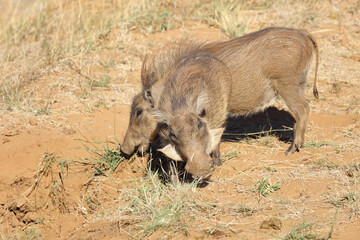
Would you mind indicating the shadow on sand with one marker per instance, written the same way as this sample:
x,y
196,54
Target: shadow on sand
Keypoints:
x,y
271,122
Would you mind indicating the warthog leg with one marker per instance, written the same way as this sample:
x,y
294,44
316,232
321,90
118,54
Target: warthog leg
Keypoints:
x,y
215,155
295,100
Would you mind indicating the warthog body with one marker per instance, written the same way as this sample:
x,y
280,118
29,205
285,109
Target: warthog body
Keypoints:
x,y
262,64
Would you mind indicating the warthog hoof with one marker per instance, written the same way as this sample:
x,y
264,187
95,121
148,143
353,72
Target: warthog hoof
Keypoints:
x,y
293,148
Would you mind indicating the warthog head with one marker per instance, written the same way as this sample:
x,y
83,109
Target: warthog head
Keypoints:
x,y
141,127
189,140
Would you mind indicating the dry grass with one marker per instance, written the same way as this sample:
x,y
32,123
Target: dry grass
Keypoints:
x,y
153,206
38,37
147,206
236,17
305,231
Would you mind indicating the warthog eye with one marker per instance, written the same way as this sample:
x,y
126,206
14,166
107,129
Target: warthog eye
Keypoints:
x,y
138,112
172,135
200,124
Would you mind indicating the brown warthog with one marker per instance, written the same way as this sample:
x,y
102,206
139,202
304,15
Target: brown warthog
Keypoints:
x,y
262,64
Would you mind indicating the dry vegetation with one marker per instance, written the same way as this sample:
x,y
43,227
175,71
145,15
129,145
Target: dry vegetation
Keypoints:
x,y
65,63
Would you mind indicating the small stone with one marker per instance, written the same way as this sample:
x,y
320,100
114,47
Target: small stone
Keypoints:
x,y
272,223
349,173
33,122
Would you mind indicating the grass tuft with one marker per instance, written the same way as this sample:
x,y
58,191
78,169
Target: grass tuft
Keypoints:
x,y
265,188
347,199
103,159
325,163
305,231
108,161
45,110
230,155
224,15
29,233
102,82
158,206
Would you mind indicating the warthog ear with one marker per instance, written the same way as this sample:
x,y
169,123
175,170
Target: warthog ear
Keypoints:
x,y
144,68
148,97
170,152
201,103
158,115
215,136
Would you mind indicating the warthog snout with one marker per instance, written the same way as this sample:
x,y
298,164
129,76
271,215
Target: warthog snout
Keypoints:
x,y
200,169
127,150
129,144
134,141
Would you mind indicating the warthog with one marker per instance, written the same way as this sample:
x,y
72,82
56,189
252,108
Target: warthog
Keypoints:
x,y
263,64
272,61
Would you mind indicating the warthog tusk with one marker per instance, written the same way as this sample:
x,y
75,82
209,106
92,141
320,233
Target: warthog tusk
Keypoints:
x,y
191,157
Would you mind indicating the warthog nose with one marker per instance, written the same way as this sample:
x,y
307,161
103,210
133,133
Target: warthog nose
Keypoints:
x,y
198,172
126,150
